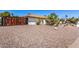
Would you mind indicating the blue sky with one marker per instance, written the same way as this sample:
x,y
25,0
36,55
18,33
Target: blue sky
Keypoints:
x,y
60,13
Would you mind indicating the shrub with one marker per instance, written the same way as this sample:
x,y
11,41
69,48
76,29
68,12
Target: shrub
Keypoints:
x,y
38,22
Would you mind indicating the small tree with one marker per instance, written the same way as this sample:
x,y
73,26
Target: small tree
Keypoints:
x,y
53,19
5,14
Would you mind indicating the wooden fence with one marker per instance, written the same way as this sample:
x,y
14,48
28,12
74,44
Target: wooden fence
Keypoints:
x,y
9,21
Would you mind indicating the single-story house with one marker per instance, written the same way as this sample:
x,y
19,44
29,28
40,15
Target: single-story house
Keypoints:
x,y
34,19
30,19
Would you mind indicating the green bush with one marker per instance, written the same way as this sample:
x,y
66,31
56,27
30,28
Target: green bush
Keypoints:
x,y
38,22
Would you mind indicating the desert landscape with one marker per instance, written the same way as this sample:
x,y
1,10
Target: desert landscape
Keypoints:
x,y
39,29
37,36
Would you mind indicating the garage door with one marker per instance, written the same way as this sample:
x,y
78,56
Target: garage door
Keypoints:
x,y
31,21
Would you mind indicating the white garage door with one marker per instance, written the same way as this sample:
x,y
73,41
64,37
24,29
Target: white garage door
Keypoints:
x,y
31,21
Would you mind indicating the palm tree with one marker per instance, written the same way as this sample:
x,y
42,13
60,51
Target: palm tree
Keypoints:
x,y
12,14
66,16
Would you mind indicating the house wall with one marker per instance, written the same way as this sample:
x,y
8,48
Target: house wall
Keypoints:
x,y
33,21
44,21
8,21
77,24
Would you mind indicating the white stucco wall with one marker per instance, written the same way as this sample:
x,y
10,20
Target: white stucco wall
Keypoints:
x,y
43,21
77,24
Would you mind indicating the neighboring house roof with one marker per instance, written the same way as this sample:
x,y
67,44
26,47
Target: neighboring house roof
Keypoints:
x,y
36,16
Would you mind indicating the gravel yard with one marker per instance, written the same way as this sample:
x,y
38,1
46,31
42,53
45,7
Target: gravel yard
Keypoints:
x,y
37,36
